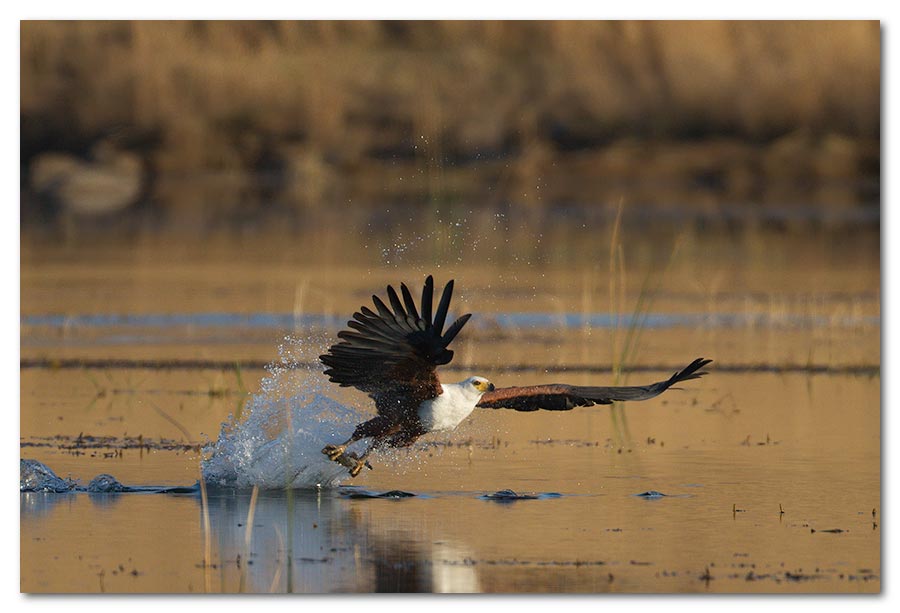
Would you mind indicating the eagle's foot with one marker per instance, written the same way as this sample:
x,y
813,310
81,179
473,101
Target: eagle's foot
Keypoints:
x,y
339,454
360,463
334,452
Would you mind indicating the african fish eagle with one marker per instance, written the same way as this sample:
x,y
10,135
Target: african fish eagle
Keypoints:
x,y
392,355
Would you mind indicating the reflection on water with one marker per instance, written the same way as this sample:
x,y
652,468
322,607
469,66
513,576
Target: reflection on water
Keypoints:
x,y
40,504
314,542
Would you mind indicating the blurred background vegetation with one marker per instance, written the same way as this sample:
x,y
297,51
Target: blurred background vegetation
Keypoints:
x,y
199,125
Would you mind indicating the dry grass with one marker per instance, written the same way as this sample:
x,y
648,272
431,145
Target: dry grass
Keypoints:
x,y
348,86
318,113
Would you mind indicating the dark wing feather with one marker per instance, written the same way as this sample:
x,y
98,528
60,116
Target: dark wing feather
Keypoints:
x,y
392,354
440,316
562,397
427,298
410,303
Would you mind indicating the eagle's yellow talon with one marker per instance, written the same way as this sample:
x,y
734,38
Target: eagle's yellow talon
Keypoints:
x,y
334,452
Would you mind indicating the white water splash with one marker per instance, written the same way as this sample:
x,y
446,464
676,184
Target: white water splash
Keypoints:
x,y
277,442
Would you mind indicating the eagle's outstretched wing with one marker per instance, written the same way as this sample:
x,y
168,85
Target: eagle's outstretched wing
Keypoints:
x,y
562,397
392,354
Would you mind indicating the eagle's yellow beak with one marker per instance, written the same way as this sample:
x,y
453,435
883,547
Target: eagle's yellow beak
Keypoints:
x,y
485,386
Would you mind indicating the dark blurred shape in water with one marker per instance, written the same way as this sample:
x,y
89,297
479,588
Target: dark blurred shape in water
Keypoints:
x,y
511,496
105,484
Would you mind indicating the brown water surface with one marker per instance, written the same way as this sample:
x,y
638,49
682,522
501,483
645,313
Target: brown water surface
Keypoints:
x,y
770,465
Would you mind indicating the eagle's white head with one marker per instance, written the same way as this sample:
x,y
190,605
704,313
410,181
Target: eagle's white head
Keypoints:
x,y
477,386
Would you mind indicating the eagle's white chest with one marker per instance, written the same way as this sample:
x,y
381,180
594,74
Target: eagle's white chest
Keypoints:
x,y
447,410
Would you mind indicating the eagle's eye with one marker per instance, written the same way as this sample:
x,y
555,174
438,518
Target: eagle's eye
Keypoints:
x,y
482,385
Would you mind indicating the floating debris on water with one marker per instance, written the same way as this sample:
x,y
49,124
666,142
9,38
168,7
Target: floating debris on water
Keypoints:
x,y
105,483
85,442
651,495
569,442
361,493
829,531
510,496
507,495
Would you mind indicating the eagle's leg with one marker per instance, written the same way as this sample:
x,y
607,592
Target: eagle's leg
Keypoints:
x,y
377,442
393,437
376,427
